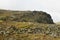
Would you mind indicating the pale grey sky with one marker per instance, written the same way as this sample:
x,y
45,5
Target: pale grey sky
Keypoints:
x,y
50,6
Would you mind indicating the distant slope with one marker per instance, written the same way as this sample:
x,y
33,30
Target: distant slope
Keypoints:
x,y
57,22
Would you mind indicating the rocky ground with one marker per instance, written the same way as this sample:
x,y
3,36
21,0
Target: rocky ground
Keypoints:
x,y
30,31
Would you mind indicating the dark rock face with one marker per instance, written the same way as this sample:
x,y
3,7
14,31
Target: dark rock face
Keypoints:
x,y
34,16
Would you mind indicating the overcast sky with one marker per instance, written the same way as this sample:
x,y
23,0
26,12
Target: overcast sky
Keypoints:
x,y
50,6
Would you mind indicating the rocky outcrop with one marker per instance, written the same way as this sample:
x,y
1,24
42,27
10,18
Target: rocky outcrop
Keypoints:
x,y
34,16
29,16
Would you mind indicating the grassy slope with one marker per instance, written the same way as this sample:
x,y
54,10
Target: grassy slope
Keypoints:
x,y
24,36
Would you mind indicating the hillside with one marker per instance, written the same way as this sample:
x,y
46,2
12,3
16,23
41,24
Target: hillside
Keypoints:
x,y
26,16
27,25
